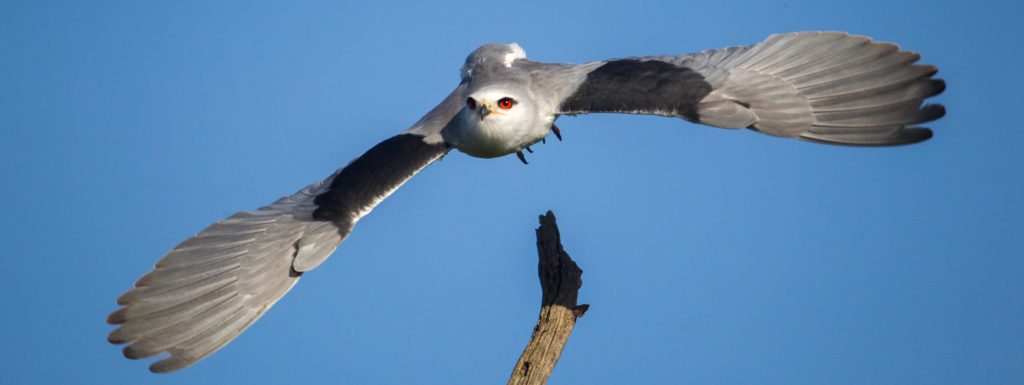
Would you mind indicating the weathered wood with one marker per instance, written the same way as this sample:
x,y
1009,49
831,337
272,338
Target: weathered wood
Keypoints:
x,y
560,283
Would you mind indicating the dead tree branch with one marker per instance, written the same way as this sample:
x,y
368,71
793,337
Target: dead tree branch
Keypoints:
x,y
560,283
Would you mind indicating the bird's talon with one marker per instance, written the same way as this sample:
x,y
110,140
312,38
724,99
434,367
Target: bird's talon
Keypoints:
x,y
557,132
521,157
528,149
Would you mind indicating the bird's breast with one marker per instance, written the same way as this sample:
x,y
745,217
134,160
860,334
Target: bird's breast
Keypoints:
x,y
494,136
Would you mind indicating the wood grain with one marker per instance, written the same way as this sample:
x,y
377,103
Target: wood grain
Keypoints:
x,y
560,283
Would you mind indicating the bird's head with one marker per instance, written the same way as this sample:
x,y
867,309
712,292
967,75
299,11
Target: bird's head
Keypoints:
x,y
497,105
495,121
499,114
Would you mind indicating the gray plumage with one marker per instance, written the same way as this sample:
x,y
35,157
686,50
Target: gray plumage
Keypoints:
x,y
211,287
823,87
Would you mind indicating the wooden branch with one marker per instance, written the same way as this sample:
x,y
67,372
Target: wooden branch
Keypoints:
x,y
560,283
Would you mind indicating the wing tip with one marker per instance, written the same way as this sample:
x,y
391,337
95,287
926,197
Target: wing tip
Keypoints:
x,y
902,137
117,317
116,338
170,364
915,135
931,112
135,352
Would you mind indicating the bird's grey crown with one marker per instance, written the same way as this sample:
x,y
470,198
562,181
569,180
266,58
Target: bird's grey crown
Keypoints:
x,y
491,56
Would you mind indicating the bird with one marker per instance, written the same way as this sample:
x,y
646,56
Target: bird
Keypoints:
x,y
825,87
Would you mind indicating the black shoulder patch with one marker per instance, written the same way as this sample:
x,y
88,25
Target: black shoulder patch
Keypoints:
x,y
373,176
635,86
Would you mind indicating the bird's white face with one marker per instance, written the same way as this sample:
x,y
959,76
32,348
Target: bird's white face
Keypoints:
x,y
496,121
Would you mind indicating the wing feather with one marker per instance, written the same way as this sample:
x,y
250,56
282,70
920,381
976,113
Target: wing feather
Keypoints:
x,y
826,87
212,286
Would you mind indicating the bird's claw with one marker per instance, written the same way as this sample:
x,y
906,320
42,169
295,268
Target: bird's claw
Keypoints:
x,y
521,157
557,132
528,149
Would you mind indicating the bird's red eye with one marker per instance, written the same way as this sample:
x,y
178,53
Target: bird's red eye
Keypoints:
x,y
471,103
506,103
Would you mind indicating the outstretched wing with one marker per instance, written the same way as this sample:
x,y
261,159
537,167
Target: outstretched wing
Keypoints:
x,y
827,87
212,286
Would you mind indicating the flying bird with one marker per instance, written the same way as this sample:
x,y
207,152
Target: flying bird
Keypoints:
x,y
827,87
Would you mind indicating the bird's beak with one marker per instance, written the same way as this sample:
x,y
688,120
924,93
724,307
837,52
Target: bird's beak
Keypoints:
x,y
486,109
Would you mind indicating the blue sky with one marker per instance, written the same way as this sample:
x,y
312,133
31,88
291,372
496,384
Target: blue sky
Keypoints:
x,y
710,256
